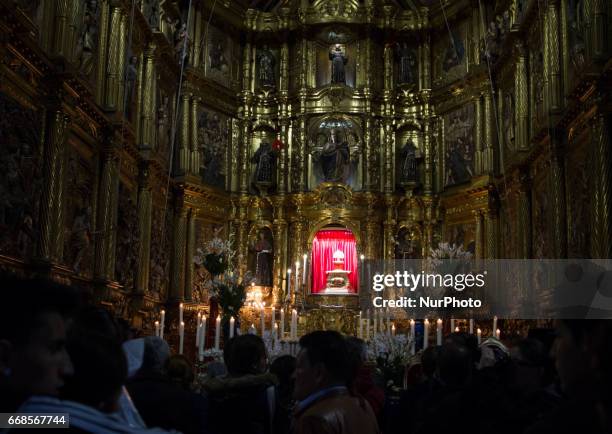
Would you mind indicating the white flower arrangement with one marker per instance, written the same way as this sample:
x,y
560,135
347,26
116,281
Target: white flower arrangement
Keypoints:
x,y
213,353
446,251
392,347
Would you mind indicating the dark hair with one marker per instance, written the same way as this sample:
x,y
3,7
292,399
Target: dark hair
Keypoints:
x,y
243,353
532,352
283,367
180,370
97,319
454,365
429,360
24,301
330,349
100,368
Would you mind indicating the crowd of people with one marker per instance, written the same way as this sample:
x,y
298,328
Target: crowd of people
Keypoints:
x,y
59,354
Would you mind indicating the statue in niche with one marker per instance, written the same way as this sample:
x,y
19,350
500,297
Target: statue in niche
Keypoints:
x,y
576,24
80,237
131,75
266,62
163,130
265,159
410,155
263,260
181,44
334,159
408,245
87,39
407,63
338,60
152,13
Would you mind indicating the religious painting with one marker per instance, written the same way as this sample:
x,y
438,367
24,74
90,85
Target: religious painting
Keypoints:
x,y
578,199
213,138
88,35
78,220
219,57
20,177
267,66
459,145
463,235
161,246
128,237
335,148
450,55
407,64
408,159
261,256
151,10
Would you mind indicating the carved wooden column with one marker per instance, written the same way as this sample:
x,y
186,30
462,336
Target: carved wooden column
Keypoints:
x,y
194,152
50,242
115,66
427,145
557,194
190,249
144,229
388,144
184,134
524,215
389,226
552,57
179,234
522,99
479,236
148,106
478,137
489,149
601,170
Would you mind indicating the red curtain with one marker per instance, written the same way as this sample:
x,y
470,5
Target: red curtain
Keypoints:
x,y
325,243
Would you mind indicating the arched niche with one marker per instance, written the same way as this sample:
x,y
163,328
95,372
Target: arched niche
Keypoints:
x,y
334,151
409,153
260,259
263,159
409,243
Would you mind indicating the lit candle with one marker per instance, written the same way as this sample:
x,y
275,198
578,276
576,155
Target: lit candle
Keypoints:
x,y
262,319
412,343
360,326
162,324
479,335
232,325
156,328
457,329
282,326
498,333
275,332
217,332
198,329
392,329
471,326
273,316
202,339
452,327
297,271
368,314
425,333
439,332
304,269
252,330
294,324
181,336
180,312
289,283
494,323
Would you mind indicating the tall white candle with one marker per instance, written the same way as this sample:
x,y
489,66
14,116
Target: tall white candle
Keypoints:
x,y
479,335
282,326
202,339
252,330
452,325
412,343
439,332
217,332
232,326
181,307
262,320
297,272
198,329
156,328
275,332
360,326
494,324
294,324
471,326
181,337
498,334
392,329
289,283
304,270
273,321
162,324
425,333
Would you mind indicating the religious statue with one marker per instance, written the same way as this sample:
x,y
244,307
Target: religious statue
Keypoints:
x,y
181,44
334,158
265,158
80,237
152,13
338,278
163,131
131,74
266,62
87,39
407,63
338,62
263,260
409,155
408,246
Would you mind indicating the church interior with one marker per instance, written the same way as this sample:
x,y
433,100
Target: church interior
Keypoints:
x,y
208,168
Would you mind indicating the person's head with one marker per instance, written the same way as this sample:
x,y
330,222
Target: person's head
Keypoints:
x,y
358,353
429,360
96,319
323,361
583,356
470,341
283,367
529,359
33,322
156,354
244,355
454,365
180,370
100,370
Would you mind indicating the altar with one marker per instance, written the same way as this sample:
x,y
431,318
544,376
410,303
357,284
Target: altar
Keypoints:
x,y
334,263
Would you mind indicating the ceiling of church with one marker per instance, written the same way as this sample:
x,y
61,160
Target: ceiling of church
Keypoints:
x,y
273,5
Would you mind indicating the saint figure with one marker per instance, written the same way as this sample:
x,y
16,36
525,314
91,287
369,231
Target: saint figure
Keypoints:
x,y
263,261
338,61
266,62
265,158
409,155
334,159
407,62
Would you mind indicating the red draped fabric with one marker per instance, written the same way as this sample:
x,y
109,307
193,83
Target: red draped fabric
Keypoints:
x,y
325,243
